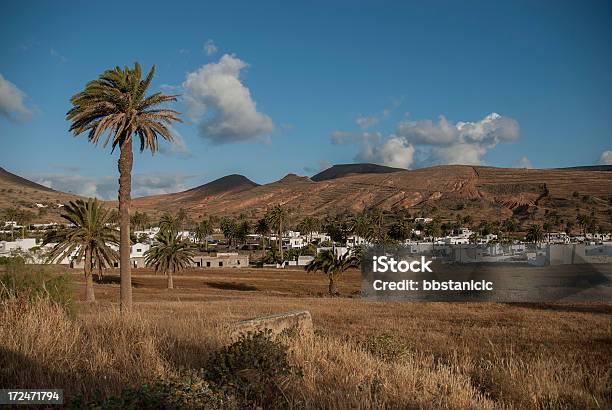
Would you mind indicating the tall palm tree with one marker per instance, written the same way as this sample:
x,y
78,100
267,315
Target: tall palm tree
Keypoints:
x,y
203,230
277,216
333,266
169,254
116,104
88,235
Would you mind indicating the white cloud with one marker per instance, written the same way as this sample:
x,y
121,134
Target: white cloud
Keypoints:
x,y
106,187
215,96
394,152
210,48
524,163
606,158
12,101
461,142
366,121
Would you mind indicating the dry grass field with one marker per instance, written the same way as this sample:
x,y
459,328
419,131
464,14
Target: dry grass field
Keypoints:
x,y
363,354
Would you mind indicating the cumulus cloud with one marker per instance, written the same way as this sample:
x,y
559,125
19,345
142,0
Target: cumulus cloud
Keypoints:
x,y
12,102
210,47
460,142
106,187
425,142
606,158
393,152
524,163
222,104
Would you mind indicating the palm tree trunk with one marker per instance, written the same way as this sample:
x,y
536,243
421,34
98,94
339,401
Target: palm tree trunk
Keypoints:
x,y
170,281
280,238
333,289
125,187
89,289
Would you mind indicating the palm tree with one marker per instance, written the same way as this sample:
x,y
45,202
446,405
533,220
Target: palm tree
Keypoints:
x,y
308,226
535,234
140,220
277,217
170,223
88,235
24,218
116,103
11,215
361,225
169,254
262,228
332,265
203,230
583,220
229,227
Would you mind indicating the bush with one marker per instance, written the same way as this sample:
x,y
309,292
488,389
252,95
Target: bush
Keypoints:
x,y
11,260
32,282
187,392
253,369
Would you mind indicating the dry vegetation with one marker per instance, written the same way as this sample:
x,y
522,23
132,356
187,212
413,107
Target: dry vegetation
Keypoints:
x,y
363,355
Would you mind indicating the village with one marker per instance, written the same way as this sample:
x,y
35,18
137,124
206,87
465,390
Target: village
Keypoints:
x,y
215,250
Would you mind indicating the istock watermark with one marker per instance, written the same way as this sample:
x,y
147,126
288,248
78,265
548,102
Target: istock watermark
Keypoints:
x,y
384,264
484,273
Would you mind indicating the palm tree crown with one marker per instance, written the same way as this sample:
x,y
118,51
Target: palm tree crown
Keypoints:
x,y
116,103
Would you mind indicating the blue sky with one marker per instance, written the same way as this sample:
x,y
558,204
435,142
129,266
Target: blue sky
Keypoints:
x,y
270,88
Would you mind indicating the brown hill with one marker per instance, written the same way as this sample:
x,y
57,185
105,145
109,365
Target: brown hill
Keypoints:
x,y
23,194
448,191
342,170
482,192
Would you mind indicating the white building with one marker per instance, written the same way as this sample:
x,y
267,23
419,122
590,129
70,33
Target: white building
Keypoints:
x,y
355,240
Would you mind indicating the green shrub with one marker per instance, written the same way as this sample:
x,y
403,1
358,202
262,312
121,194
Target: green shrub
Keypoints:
x,y
254,369
29,282
189,391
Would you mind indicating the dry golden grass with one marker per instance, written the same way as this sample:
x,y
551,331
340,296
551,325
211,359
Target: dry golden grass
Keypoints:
x,y
363,354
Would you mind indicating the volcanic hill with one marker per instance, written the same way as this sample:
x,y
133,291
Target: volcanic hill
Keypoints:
x,y
448,191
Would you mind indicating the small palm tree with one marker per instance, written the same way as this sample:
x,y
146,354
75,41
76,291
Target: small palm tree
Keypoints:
x,y
116,104
203,230
169,254
535,234
262,228
88,235
332,265
277,217
170,222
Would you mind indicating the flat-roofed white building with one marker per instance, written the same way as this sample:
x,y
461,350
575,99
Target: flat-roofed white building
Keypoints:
x,y
221,260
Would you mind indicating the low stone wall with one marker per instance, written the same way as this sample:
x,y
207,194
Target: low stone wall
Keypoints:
x,y
299,322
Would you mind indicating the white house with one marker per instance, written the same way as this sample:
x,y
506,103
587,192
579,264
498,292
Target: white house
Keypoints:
x,y
355,240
